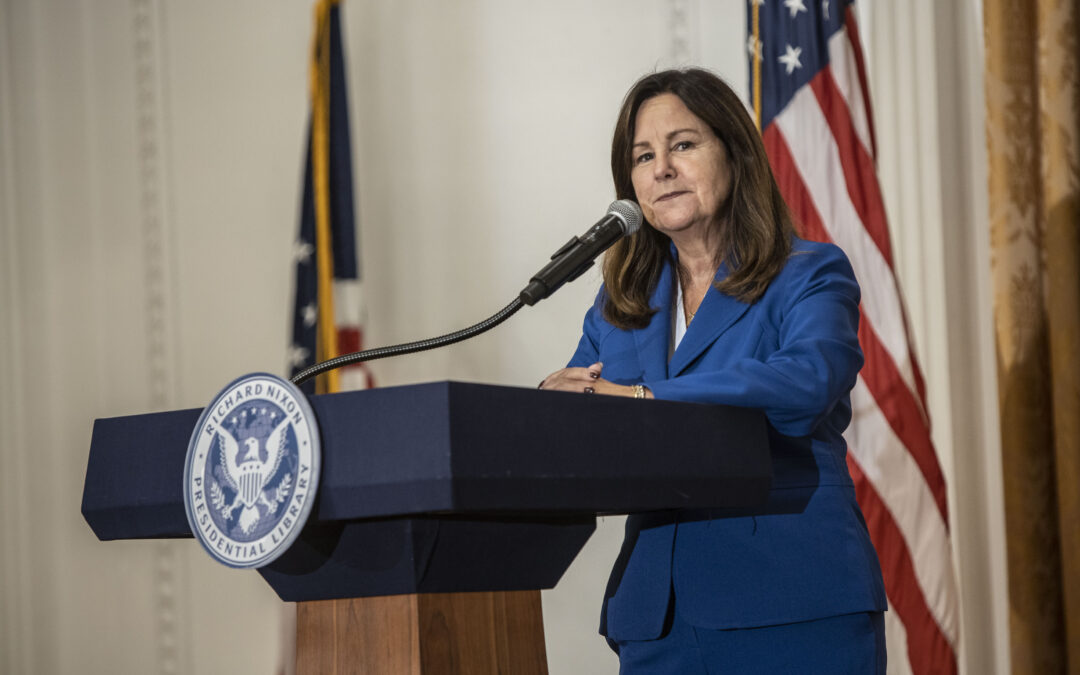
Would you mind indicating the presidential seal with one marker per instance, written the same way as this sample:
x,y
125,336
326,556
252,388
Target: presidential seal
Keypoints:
x,y
252,469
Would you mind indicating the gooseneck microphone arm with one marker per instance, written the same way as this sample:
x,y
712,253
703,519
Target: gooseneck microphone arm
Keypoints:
x,y
568,263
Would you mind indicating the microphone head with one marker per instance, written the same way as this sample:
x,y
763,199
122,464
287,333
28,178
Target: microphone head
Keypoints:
x,y
629,213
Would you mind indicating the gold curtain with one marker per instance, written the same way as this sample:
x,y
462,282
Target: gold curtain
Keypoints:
x,y
1033,142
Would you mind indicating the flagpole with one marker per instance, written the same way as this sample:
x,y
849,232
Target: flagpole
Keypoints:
x,y
756,56
320,162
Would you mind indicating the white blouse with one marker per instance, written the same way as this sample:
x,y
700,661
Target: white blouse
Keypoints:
x,y
679,320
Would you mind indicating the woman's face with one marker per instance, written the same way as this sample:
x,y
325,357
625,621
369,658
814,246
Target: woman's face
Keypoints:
x,y
679,168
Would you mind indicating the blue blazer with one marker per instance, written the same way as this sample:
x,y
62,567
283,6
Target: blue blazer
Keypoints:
x,y
793,354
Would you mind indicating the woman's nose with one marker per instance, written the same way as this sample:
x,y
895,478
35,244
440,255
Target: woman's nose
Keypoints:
x,y
662,167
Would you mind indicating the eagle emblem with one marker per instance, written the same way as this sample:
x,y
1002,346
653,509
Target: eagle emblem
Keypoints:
x,y
247,468
251,470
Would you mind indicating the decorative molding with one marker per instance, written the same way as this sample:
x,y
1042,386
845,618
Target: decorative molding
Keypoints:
x,y
147,36
16,627
151,211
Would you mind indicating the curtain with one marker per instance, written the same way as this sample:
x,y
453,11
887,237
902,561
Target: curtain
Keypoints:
x,y
1033,143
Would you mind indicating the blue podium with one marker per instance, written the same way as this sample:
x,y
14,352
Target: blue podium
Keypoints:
x,y
444,508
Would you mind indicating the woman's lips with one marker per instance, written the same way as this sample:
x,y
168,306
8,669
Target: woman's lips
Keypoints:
x,y
671,195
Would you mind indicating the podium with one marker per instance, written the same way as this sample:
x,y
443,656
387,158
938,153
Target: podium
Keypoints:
x,y
444,508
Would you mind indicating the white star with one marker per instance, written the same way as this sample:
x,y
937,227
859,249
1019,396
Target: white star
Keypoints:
x,y
753,47
825,8
795,6
297,355
302,251
791,58
310,314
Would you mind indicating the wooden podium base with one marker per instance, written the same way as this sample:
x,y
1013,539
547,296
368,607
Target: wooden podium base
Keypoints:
x,y
424,634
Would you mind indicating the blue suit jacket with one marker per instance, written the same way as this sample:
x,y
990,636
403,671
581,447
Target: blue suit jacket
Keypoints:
x,y
793,354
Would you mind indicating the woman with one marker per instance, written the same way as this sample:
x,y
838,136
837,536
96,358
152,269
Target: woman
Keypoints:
x,y
714,300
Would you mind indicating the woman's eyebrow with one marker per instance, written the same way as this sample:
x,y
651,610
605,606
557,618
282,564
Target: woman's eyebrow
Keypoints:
x,y
670,135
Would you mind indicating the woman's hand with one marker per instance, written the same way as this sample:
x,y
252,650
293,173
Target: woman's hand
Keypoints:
x,y
586,380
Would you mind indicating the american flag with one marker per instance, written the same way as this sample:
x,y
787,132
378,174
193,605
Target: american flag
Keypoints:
x,y
328,311
808,85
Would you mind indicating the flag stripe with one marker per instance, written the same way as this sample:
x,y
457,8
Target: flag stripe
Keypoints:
x,y
896,479
846,76
849,73
903,413
851,28
349,300
896,643
902,410
928,650
858,168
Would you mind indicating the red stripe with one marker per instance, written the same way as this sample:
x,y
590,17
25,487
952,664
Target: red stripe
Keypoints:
x,y
927,648
859,172
801,205
916,373
897,403
852,29
899,406
351,339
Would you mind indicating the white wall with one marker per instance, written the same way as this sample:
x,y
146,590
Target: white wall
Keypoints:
x,y
150,158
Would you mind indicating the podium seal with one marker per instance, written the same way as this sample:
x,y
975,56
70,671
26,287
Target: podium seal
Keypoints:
x,y
251,471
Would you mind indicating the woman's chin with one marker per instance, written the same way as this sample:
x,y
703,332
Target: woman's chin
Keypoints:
x,y
673,227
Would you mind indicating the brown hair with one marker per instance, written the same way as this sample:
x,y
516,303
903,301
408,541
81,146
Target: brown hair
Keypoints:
x,y
755,230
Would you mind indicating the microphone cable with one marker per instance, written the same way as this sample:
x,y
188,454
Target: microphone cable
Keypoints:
x,y
408,347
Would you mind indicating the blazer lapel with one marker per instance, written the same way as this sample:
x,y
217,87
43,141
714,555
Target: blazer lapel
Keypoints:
x,y
653,340
716,314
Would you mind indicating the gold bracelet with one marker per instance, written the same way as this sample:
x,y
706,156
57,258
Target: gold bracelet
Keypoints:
x,y
639,391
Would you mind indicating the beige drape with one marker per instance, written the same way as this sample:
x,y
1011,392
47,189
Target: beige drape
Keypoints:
x,y
1033,141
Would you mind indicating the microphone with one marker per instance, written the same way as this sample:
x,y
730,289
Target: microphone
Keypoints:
x,y
570,262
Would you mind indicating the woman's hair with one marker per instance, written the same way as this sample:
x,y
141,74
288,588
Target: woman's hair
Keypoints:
x,y
755,227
